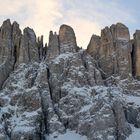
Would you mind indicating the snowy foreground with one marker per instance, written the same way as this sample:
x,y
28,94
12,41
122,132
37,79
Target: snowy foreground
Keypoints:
x,y
135,131
135,134
69,135
40,98
135,99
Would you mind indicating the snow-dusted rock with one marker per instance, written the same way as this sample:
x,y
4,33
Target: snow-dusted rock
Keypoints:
x,y
27,111
9,44
72,69
59,92
98,116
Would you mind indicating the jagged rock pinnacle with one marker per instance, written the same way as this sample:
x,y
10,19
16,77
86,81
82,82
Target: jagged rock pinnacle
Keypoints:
x,y
67,39
136,54
53,46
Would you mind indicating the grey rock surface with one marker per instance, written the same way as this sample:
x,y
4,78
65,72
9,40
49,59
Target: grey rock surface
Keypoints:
x,y
53,48
28,48
136,52
9,44
67,39
112,51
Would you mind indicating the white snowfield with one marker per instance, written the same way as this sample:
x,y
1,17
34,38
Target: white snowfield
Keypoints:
x,y
72,135
69,135
135,131
133,99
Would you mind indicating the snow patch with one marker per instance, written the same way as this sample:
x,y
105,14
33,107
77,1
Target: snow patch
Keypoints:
x,y
63,56
135,133
134,99
69,135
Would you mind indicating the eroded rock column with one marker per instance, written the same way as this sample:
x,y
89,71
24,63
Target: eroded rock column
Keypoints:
x,y
53,46
136,54
67,39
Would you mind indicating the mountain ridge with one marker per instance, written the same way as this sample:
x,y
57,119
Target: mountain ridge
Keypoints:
x,y
47,90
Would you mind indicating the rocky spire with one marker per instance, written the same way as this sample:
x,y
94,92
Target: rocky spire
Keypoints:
x,y
94,46
6,50
40,47
67,39
28,47
16,39
15,48
120,32
136,54
53,46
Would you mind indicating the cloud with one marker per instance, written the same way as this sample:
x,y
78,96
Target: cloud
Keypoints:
x,y
90,16
87,17
44,15
83,29
40,15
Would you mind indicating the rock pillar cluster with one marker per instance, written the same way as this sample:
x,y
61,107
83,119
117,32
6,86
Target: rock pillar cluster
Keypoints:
x,y
115,53
15,48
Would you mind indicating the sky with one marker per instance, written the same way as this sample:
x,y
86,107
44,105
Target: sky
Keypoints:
x,y
86,17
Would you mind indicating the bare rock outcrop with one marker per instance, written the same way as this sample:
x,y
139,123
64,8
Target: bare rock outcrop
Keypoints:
x,y
76,69
9,45
41,51
136,54
28,111
53,46
15,48
28,48
122,49
67,39
94,46
65,42
112,51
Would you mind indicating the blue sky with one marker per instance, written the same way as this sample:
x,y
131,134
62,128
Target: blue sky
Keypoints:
x,y
87,17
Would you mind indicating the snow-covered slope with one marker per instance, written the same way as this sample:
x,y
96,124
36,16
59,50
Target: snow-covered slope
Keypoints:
x,y
45,99
69,135
135,133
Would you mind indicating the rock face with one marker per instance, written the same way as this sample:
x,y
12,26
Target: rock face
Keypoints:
x,y
67,39
9,44
112,51
65,42
94,46
28,48
41,49
53,49
16,40
15,48
29,110
136,52
47,90
72,67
